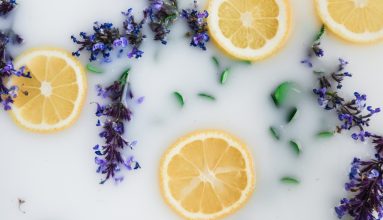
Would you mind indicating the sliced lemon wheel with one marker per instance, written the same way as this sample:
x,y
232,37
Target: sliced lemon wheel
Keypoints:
x,y
249,29
207,175
359,21
53,98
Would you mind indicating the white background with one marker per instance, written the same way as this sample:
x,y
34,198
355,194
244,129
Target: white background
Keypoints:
x,y
55,174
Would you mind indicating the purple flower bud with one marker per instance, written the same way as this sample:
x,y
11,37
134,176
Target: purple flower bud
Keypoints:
x,y
136,53
100,110
98,153
99,161
118,127
118,179
157,4
373,111
96,147
7,103
132,144
98,47
373,174
141,99
121,42
128,162
342,64
342,209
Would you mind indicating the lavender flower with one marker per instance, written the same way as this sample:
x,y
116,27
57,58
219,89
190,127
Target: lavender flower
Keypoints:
x,y
7,6
365,178
100,43
133,34
107,38
7,69
109,157
315,50
162,14
198,26
366,184
351,113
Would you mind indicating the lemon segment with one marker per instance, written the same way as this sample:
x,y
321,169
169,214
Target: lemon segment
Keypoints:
x,y
359,21
53,98
249,29
207,175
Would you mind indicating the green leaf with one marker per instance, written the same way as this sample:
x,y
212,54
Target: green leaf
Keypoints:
x,y
290,180
326,134
224,75
296,147
247,62
94,69
275,133
179,98
206,96
124,77
292,115
318,72
170,18
320,33
281,93
215,61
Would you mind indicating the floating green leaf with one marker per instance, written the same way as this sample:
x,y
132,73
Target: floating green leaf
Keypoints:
x,y
275,133
289,180
326,134
124,77
318,72
247,62
179,98
215,61
94,69
292,114
280,94
296,147
206,96
224,75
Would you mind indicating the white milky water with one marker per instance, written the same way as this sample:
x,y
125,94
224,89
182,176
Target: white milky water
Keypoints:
x,y
55,174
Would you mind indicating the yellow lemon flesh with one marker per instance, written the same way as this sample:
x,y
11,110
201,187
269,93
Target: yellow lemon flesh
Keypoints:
x,y
359,21
207,175
249,29
53,98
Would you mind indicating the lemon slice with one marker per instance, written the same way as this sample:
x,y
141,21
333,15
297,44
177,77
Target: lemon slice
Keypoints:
x,y
207,175
53,98
359,21
249,29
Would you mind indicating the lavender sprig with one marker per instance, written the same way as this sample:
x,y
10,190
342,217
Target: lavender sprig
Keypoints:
x,y
98,43
366,184
8,92
162,14
315,49
133,34
352,113
198,26
106,38
366,177
115,114
7,6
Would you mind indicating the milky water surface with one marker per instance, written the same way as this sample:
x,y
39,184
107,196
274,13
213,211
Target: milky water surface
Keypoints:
x,y
56,175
